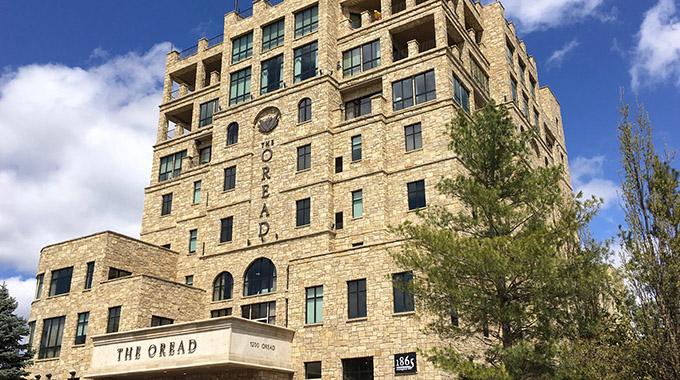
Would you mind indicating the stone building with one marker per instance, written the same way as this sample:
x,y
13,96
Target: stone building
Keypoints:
x,y
286,148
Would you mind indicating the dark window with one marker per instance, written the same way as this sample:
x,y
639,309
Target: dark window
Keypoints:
x,y
239,86
171,166
357,369
306,21
232,134
461,95
513,88
220,313
272,74
166,206
304,110
118,273
356,298
403,299
370,55
304,157
89,275
261,312
355,20
402,91
351,62
50,343
160,321
358,107
229,178
413,135
338,221
338,164
207,111
242,47
416,194
358,244
356,148
61,281
81,329
313,370
39,285
402,94
197,192
223,286
114,320
357,204
31,333
189,280
302,212
272,35
204,155
526,106
260,278
226,228
363,57
314,307
193,236
305,63
425,87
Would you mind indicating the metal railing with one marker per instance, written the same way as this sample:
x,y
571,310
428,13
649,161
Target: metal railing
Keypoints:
x,y
215,40
399,54
245,13
426,45
188,52
174,94
274,2
398,6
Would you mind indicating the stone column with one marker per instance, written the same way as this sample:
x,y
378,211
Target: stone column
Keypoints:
x,y
413,48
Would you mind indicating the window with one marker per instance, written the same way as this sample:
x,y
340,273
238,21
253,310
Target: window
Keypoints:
x,y
371,55
272,74
50,343
61,281
302,212
232,134
38,285
521,71
189,280
355,20
513,88
403,299
239,87
357,369
193,235
81,329
526,107
402,94
338,221
264,312
304,110
89,275
305,63
171,166
351,62
220,313
425,87
356,298
272,35
413,136
306,21
223,286
118,273
197,192
230,178
461,95
313,370
242,47
479,75
304,157
416,194
357,204
31,333
363,57
160,321
260,277
532,87
207,111
113,321
338,164
225,229
166,206
358,107
204,155
509,52
314,305
536,119
356,148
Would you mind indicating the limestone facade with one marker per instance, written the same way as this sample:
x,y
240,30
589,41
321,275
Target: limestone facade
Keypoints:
x,y
452,44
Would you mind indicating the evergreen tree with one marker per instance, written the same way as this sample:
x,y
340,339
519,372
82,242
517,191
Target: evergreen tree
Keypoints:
x,y
650,245
508,262
14,356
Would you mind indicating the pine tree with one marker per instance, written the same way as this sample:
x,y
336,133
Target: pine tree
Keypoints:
x,y
14,356
508,263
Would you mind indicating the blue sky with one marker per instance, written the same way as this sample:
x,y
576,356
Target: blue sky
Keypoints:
x,y
80,82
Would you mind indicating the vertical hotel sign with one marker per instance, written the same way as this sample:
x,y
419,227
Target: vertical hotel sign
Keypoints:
x,y
267,120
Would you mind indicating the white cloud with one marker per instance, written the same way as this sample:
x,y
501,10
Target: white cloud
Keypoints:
x,y
23,291
587,175
657,54
75,151
534,15
558,56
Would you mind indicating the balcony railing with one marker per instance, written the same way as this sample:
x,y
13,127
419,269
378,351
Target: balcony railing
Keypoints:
x,y
426,45
398,6
274,2
215,40
245,13
188,52
399,54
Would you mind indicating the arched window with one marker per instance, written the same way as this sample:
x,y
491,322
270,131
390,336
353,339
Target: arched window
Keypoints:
x,y
304,110
223,286
232,133
260,277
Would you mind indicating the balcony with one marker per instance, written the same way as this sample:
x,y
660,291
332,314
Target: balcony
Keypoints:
x,y
360,13
413,38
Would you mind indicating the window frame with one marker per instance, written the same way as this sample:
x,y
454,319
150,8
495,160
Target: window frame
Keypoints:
x,y
357,203
39,281
161,321
232,133
50,341
461,95
414,134
302,57
205,155
255,283
89,275
402,297
357,307
171,166
206,112
166,204
278,39
239,86
223,287
359,373
304,110
193,240
245,47
217,313
270,312
357,149
308,20
269,87
304,157
314,305
229,178
226,229
115,273
113,319
416,194
81,327
58,278
303,212
351,62
197,192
